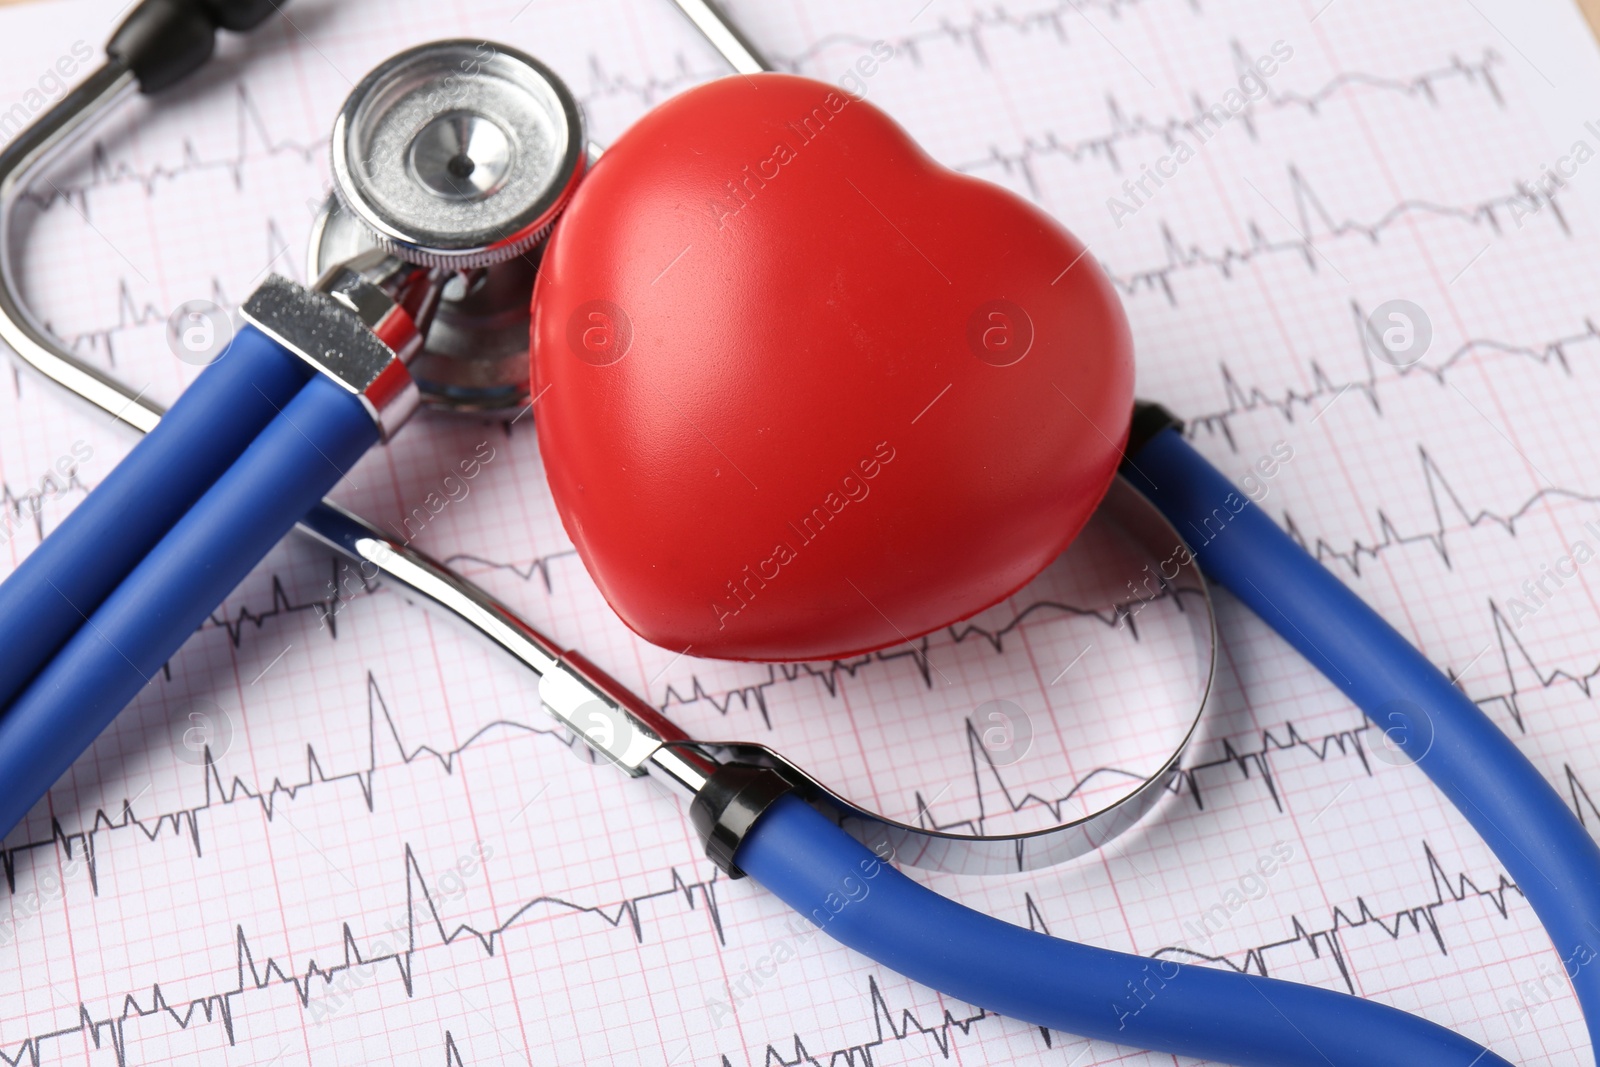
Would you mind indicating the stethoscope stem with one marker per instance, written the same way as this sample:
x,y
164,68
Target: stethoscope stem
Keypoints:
x,y
714,24
277,469
44,140
114,545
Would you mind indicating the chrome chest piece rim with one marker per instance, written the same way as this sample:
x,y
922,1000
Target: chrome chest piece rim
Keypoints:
x,y
458,154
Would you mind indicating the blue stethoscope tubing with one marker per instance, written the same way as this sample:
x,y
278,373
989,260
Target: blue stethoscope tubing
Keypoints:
x,y
1514,808
61,583
254,444
283,473
1161,1005
815,867
1231,1017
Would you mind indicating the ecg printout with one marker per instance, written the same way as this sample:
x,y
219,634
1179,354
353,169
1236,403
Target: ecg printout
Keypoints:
x,y
394,855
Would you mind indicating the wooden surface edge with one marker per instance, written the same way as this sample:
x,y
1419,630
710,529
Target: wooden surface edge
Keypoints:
x,y
1591,12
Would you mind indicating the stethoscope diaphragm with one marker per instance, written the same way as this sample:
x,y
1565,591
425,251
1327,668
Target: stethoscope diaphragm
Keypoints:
x,y
458,153
432,144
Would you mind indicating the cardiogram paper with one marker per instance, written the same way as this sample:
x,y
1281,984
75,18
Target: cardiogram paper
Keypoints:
x,y
394,856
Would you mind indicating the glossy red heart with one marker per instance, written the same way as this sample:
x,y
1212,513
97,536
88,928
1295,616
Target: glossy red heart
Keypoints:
x,y
803,392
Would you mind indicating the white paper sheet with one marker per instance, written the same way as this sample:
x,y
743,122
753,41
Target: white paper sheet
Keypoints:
x,y
395,856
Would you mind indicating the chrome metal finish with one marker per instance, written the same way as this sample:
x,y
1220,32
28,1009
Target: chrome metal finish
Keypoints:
x,y
686,768
919,846
377,554
606,714
34,148
474,357
458,153
603,724
601,711
629,733
674,761
394,299
461,156
350,330
46,138
354,537
709,18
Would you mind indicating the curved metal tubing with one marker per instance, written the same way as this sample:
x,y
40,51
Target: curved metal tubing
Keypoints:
x,y
609,717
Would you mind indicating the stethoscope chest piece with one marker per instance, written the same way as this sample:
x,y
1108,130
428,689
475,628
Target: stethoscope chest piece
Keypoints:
x,y
458,153
457,156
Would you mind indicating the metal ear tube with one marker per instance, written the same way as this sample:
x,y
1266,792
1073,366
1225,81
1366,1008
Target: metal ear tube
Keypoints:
x,y
451,163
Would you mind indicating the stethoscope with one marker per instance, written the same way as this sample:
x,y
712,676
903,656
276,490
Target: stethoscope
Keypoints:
x,y
423,259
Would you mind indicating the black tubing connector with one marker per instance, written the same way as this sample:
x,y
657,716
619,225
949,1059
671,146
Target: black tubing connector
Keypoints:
x,y
165,41
1149,419
729,805
239,15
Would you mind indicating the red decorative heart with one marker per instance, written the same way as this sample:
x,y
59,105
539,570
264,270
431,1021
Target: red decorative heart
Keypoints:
x,y
803,392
